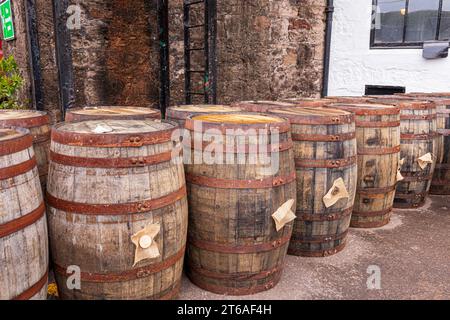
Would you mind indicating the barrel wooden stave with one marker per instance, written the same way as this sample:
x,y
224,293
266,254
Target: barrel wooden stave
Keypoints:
x,y
24,249
316,238
242,217
104,246
112,113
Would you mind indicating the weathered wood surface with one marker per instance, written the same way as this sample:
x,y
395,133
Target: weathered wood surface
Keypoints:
x,y
325,151
234,247
23,225
179,114
418,138
310,102
112,113
261,106
105,188
38,123
378,140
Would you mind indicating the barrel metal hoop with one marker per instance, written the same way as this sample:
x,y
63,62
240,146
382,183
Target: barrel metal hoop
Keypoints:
x,y
16,145
128,275
371,191
21,223
34,289
420,195
417,117
378,151
281,127
111,140
234,276
329,217
28,123
317,253
319,239
408,177
334,163
429,136
440,183
322,120
242,249
18,169
371,224
444,132
41,138
110,162
378,124
116,209
324,137
372,213
270,182
444,166
241,149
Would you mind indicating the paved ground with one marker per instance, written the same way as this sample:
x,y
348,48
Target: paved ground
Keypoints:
x,y
412,252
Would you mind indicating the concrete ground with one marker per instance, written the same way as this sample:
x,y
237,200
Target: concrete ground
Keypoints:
x,y
412,253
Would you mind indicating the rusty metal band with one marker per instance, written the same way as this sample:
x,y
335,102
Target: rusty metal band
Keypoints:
x,y
416,105
441,183
321,217
322,120
444,132
128,275
247,149
378,151
26,122
16,145
110,162
371,191
111,140
34,289
233,276
324,137
318,239
371,224
444,166
444,111
270,182
316,163
116,209
220,289
317,253
18,169
372,213
40,138
21,223
409,205
417,117
378,124
408,177
411,196
429,136
172,293
240,249
281,127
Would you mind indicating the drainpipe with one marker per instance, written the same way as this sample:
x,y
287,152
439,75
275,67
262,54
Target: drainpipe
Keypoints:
x,y
327,52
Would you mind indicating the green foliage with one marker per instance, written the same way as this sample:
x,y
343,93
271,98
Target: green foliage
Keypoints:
x,y
10,82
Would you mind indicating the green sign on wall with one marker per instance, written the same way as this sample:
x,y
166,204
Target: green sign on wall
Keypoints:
x,y
7,20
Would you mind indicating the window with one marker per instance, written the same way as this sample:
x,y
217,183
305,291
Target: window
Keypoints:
x,y
408,23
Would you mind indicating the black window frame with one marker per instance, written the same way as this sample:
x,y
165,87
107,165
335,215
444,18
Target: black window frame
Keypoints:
x,y
403,45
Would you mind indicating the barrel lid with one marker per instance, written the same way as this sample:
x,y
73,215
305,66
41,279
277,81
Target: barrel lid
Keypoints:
x,y
314,115
367,109
113,133
204,108
265,103
405,102
308,102
23,118
14,140
114,111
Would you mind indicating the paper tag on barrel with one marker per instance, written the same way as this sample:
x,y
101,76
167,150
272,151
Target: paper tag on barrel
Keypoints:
x,y
146,246
425,160
337,192
284,215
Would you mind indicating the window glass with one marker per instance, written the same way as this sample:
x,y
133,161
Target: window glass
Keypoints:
x,y
422,20
389,21
445,21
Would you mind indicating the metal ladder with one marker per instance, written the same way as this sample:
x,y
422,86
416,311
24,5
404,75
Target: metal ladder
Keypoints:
x,y
209,69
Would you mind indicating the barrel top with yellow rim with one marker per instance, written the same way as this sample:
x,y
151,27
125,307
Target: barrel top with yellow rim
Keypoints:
x,y
23,118
367,109
181,112
312,115
112,112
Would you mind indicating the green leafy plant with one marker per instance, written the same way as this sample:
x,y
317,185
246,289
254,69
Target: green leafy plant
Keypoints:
x,y
10,82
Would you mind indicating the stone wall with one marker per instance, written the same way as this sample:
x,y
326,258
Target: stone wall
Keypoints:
x,y
266,49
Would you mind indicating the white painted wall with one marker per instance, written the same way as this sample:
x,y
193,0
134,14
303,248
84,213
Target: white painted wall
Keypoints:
x,y
353,64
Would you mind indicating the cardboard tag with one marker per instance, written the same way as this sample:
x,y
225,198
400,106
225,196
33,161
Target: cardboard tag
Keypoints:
x,y
146,246
402,162
284,215
400,176
425,160
337,192
102,128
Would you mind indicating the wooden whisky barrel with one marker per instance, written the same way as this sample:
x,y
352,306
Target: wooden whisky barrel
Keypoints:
x,y
378,140
325,152
23,225
38,123
234,247
117,209
180,113
261,106
112,113
418,140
